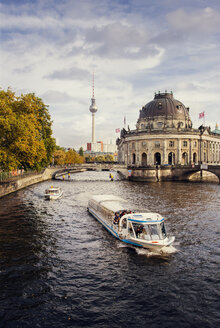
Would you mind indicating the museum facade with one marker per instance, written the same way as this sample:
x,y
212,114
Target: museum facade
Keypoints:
x,y
164,135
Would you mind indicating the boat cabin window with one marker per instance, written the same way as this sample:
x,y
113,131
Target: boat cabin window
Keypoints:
x,y
154,231
139,229
163,230
149,231
124,223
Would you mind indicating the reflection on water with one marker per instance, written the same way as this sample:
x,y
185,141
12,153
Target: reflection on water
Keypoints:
x,y
60,268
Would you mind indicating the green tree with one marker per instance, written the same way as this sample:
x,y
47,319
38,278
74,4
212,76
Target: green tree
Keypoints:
x,y
81,151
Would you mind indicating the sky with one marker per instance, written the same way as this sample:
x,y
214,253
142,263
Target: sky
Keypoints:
x,y
135,48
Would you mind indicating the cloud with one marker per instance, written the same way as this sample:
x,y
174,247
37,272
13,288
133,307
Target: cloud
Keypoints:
x,y
57,97
135,48
200,21
70,74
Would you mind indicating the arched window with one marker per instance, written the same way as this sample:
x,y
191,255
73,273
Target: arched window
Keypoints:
x,y
194,158
144,159
171,158
185,158
157,159
133,158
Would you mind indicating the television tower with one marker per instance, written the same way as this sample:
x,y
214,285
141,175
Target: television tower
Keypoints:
x,y
93,109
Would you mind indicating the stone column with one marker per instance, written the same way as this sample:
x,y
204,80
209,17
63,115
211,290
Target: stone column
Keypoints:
x,y
190,151
150,154
202,151
179,152
137,153
165,158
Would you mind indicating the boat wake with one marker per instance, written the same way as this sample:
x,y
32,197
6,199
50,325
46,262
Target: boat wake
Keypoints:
x,y
167,251
164,252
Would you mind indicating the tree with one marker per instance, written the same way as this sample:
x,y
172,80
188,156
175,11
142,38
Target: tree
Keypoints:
x,y
100,158
31,104
25,132
109,158
70,157
59,157
81,151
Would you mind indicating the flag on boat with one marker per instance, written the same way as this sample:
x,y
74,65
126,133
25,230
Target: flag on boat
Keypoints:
x,y
117,130
201,115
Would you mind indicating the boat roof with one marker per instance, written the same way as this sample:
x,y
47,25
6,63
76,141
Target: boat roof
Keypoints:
x,y
148,217
112,202
53,188
115,203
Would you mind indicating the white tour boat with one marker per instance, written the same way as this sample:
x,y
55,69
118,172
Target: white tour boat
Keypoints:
x,y
136,228
53,193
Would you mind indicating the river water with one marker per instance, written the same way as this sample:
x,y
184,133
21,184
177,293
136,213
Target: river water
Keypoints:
x,y
60,268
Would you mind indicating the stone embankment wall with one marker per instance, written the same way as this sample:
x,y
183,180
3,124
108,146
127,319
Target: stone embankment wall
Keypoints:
x,y
21,182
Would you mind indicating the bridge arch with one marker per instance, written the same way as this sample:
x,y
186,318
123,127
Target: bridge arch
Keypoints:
x,y
185,172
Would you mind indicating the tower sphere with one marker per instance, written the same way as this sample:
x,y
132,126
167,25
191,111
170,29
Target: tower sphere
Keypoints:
x,y
93,108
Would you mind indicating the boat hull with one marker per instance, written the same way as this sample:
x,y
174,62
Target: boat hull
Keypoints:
x,y
159,246
52,197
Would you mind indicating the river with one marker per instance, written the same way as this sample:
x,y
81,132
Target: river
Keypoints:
x,y
60,268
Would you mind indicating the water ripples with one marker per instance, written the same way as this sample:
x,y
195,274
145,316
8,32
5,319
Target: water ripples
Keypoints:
x,y
60,268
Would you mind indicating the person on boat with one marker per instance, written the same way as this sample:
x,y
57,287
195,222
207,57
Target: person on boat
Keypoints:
x,y
139,231
116,218
63,177
68,175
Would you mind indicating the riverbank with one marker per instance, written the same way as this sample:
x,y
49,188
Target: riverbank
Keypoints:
x,y
20,182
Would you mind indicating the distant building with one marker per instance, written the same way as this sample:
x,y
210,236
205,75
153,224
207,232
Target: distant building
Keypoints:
x,y
95,146
100,148
164,135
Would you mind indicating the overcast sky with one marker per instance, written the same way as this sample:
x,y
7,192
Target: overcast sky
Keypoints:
x,y
135,47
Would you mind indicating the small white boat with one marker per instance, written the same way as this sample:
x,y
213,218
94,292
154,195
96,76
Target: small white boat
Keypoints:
x,y
53,193
136,228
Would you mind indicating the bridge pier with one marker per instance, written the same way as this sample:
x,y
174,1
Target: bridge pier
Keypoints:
x,y
166,173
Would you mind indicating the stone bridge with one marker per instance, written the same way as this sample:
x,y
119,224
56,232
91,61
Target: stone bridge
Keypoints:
x,y
74,168
153,173
170,173
184,172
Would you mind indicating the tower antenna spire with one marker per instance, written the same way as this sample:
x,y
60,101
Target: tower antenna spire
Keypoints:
x,y
93,86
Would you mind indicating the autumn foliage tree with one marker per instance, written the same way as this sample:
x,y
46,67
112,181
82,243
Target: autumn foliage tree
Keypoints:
x,y
25,132
62,157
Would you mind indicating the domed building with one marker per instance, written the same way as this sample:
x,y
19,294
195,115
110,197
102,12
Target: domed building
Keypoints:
x,y
164,135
